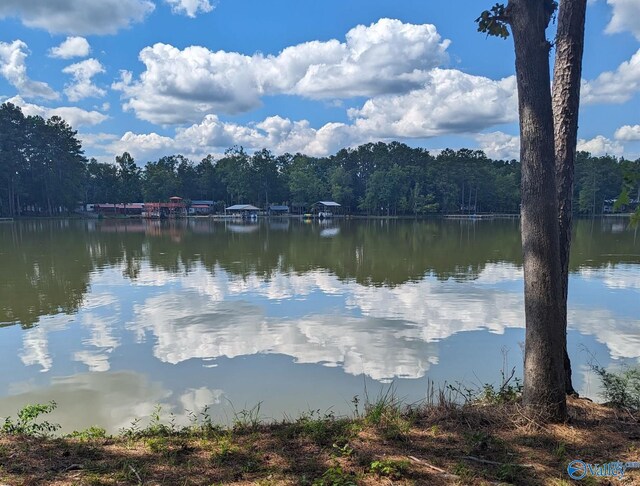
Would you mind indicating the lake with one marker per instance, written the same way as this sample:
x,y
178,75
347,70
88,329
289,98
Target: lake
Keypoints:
x,y
111,318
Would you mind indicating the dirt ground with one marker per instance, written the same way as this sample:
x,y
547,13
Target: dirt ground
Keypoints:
x,y
437,445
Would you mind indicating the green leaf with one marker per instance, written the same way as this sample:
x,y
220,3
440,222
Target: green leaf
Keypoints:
x,y
492,22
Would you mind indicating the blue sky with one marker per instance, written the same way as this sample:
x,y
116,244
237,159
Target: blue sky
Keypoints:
x,y
198,76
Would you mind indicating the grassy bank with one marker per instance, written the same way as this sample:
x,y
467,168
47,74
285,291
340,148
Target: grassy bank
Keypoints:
x,y
387,443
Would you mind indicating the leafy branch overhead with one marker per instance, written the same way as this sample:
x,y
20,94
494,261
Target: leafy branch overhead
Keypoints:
x,y
495,20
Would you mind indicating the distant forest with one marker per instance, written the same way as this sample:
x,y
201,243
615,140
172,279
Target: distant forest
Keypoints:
x,y
43,170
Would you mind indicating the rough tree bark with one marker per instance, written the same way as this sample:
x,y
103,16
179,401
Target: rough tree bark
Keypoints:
x,y
544,391
566,101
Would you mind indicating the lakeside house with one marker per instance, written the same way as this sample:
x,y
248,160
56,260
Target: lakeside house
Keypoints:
x,y
278,210
175,208
244,211
325,209
200,207
133,209
608,206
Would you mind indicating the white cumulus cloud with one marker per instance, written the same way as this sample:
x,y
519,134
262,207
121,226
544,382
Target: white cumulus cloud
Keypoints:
x,y
141,146
184,85
628,133
14,69
277,133
190,8
74,116
450,102
600,145
78,17
625,17
616,86
71,47
499,145
82,85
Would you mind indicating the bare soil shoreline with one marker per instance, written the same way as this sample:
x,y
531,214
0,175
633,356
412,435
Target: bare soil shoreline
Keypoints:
x,y
431,445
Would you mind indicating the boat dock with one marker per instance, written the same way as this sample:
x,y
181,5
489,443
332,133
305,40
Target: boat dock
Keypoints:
x,y
482,216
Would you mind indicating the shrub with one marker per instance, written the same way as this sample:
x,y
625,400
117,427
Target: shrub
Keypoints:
x,y
26,422
390,468
621,389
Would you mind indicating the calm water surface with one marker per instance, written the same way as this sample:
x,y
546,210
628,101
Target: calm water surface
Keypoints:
x,y
111,318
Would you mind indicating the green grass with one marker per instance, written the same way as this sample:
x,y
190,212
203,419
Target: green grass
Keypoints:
x,y
89,434
317,448
336,476
389,415
390,468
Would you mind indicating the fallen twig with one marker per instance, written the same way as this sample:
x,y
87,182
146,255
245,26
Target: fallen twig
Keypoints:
x,y
136,473
494,463
442,471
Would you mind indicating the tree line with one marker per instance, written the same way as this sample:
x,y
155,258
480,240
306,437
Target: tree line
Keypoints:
x,y
43,171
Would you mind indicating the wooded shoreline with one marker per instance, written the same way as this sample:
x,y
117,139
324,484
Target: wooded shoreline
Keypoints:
x,y
43,171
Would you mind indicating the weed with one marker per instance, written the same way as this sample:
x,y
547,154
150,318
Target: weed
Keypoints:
x,y
158,445
510,389
344,450
588,481
251,464
620,389
480,441
462,470
26,421
93,479
247,419
324,429
335,476
459,390
509,472
506,393
226,449
89,434
133,430
386,404
390,468
559,482
130,472
157,427
388,415
356,401
201,424
561,450
174,449
477,441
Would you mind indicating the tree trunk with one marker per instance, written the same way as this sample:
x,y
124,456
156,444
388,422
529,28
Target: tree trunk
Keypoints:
x,y
48,199
566,102
544,351
11,197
